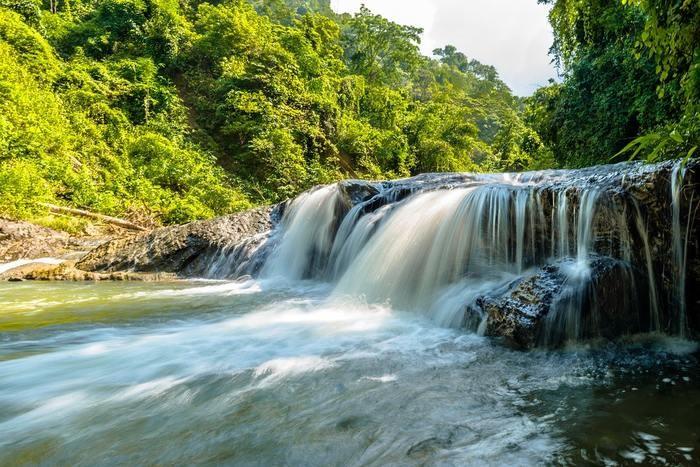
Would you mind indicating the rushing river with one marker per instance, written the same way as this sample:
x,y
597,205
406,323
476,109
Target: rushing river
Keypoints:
x,y
254,373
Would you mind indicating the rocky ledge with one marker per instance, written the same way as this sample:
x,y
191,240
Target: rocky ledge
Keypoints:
x,y
66,271
184,250
165,253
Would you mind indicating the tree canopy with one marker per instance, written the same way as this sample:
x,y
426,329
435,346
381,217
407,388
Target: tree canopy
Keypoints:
x,y
175,110
179,110
631,81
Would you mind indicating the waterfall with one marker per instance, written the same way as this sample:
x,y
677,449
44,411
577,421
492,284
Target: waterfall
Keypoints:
x,y
585,221
446,245
679,246
520,211
306,235
651,277
352,236
564,321
563,223
429,243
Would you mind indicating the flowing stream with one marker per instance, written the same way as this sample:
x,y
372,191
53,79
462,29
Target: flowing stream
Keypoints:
x,y
357,343
256,373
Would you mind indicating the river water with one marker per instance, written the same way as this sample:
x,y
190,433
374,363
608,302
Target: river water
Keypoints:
x,y
262,373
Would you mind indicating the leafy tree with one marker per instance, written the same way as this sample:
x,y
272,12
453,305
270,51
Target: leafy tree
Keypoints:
x,y
630,81
382,51
68,130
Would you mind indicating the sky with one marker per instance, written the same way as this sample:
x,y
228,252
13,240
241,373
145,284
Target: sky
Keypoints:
x,y
512,35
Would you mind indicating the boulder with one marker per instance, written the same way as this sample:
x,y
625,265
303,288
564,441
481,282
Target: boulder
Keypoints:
x,y
533,309
636,230
19,240
357,191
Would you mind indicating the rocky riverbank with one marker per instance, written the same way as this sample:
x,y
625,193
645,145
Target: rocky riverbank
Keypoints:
x,y
23,240
32,252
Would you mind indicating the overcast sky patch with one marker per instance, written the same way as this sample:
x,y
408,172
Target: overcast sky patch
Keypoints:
x,y
512,35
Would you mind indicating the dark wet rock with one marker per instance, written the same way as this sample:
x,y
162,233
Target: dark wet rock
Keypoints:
x,y
632,215
356,191
518,313
428,447
532,310
352,193
455,435
184,249
220,246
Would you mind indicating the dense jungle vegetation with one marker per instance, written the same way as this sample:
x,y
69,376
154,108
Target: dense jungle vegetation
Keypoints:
x,y
166,111
631,81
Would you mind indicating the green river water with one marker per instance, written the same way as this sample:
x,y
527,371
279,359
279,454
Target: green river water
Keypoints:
x,y
254,373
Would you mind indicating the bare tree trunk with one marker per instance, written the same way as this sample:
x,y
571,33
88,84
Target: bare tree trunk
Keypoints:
x,y
91,215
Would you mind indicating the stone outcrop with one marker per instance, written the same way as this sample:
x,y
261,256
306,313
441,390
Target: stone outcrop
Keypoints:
x,y
634,246
185,249
67,271
356,191
20,240
532,310
227,246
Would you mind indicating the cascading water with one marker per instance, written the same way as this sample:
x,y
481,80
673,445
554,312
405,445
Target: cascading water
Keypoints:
x,y
521,203
439,244
679,245
564,320
306,235
434,241
562,216
654,318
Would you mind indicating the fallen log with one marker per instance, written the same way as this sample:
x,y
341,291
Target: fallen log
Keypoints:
x,y
91,215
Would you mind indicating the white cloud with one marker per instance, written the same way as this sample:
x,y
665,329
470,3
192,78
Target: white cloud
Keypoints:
x,y
512,35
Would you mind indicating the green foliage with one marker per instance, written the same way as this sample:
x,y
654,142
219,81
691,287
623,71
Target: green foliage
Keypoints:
x,y
183,109
21,187
79,132
632,81
671,37
72,225
31,49
444,137
382,51
29,10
